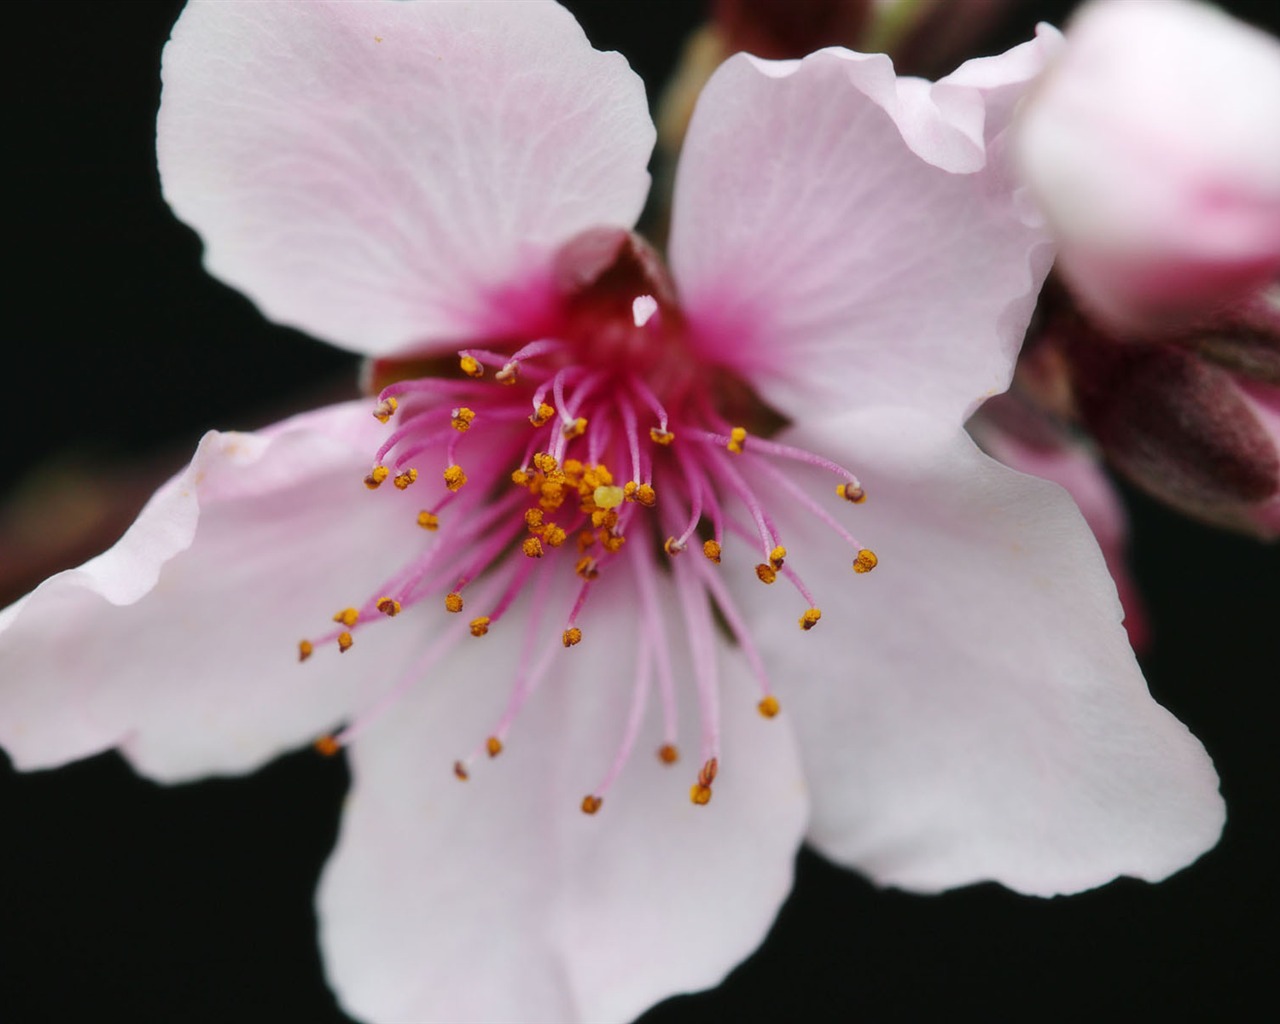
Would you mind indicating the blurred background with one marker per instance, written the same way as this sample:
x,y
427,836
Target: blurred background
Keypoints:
x,y
194,904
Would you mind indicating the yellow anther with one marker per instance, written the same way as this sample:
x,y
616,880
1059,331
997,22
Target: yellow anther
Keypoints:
x,y
542,415
384,410
737,438
810,618
586,568
389,606
646,495
612,542
533,518
766,573
554,535
493,745
591,804
520,477
661,436
326,746
777,556
545,462
344,642
866,561
378,474
711,549
575,429
607,496
509,374
348,617
305,649
403,480
571,636
700,794
852,492
668,754
707,773
453,602
672,546
428,520
585,539
471,366
480,626
460,771
462,418
551,496
769,706
532,547
604,518
454,478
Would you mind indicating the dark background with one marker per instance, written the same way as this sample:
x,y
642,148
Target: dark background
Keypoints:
x,y
193,904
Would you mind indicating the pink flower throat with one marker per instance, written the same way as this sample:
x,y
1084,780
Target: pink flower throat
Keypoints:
x,y
602,443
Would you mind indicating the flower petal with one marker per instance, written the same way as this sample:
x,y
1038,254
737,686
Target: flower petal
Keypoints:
x,y
1151,146
389,176
838,232
180,642
438,886
975,711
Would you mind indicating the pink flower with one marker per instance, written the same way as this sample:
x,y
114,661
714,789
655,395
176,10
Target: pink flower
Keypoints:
x,y
417,180
1151,146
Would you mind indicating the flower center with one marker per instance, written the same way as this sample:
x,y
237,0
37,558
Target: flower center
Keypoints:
x,y
600,444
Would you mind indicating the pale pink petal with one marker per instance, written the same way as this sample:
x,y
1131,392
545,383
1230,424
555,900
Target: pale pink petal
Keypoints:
x,y
1153,149
390,175
844,238
180,644
1019,440
497,898
971,709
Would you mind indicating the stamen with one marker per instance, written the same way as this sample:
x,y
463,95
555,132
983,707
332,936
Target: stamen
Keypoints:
x,y
852,492
766,573
389,606
428,520
662,437
453,602
542,414
572,636
460,770
348,617
700,793
327,746
866,561
810,619
462,418
479,626
668,754
385,409
532,547
471,366
403,480
711,549
493,745
672,546
305,650
454,477
375,478
344,642
769,706
776,556
591,804
737,438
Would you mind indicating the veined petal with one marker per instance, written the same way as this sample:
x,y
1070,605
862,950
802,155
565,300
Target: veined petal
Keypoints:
x,y
842,237
438,887
387,176
977,713
179,644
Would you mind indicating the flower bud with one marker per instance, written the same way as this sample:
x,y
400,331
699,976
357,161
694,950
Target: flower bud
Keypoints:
x,y
1151,148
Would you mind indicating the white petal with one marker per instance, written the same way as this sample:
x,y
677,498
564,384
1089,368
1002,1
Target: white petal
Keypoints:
x,y
497,898
971,709
389,175
843,238
180,643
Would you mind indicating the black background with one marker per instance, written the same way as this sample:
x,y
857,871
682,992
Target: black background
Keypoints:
x,y
122,898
